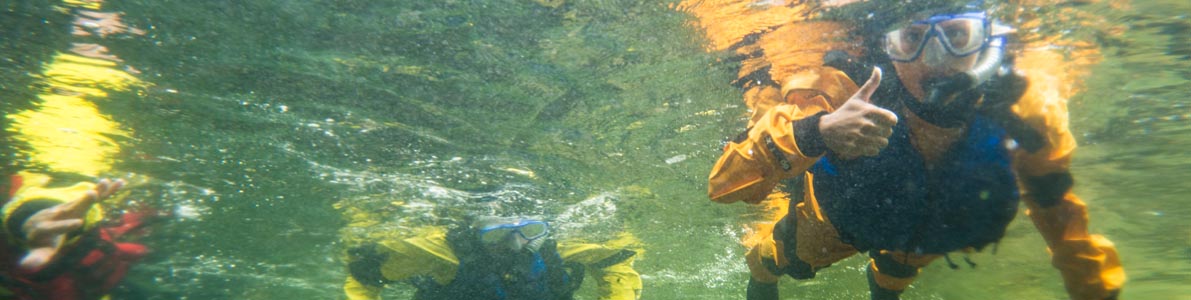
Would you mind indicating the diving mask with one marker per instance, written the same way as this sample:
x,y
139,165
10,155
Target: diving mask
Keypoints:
x,y
959,35
935,42
515,234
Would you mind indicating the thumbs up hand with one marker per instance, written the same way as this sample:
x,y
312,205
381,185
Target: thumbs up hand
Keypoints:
x,y
858,128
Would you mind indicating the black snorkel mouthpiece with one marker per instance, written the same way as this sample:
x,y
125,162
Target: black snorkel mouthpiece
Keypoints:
x,y
951,101
939,90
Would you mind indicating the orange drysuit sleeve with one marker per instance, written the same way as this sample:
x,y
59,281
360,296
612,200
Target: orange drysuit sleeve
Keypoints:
x,y
748,170
1088,263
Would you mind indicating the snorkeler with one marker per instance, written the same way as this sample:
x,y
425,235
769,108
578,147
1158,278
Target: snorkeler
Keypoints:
x,y
491,258
57,244
54,246
930,157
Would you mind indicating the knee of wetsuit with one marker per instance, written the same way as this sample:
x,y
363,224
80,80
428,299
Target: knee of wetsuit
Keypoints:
x,y
1113,295
888,265
876,292
786,232
799,269
758,290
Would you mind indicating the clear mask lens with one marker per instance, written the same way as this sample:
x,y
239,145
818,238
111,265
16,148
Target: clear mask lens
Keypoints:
x,y
529,230
496,235
533,231
960,35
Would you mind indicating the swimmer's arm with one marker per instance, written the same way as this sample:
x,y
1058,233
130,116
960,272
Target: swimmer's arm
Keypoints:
x,y
46,220
1089,262
355,290
782,142
1045,173
611,267
618,281
371,266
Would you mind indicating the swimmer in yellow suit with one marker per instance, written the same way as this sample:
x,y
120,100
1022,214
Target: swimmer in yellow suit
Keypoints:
x,y
56,243
493,258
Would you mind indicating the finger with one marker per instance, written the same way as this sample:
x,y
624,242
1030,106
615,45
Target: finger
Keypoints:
x,y
873,142
882,117
111,188
50,228
79,207
118,184
102,186
866,92
870,128
855,149
876,130
871,151
37,258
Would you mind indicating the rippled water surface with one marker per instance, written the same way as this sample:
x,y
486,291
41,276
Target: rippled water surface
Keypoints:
x,y
263,123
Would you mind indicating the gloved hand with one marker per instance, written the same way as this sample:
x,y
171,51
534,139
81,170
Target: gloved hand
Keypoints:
x,y
1001,92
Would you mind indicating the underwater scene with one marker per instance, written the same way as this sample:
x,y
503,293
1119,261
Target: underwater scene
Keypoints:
x,y
278,149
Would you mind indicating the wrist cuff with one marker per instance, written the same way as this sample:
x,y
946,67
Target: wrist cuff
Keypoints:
x,y
807,137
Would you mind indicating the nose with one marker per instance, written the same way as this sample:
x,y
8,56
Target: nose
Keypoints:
x,y
514,242
933,53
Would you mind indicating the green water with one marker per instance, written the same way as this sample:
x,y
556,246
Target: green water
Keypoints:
x,y
263,114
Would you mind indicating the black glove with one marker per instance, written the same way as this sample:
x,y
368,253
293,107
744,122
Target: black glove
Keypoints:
x,y
1000,93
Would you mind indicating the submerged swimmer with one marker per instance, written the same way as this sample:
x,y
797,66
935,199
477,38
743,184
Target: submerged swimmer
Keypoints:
x,y
914,164
491,258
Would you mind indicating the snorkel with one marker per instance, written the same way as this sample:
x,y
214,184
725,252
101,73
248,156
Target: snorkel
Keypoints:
x,y
949,101
940,90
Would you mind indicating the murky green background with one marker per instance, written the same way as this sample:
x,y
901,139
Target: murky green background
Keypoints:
x,y
602,116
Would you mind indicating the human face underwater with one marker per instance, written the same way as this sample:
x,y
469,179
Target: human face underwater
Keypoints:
x,y
943,56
